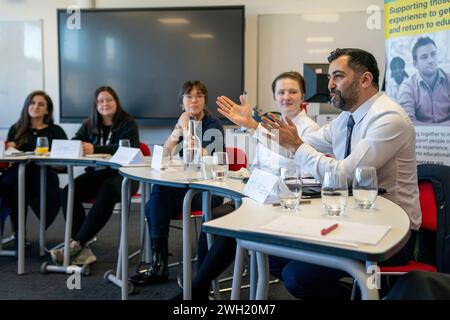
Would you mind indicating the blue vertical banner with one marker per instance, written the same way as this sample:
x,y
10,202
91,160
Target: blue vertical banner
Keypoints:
x,y
417,37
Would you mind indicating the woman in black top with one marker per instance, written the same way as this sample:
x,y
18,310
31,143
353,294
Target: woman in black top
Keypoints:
x,y
36,120
100,134
166,202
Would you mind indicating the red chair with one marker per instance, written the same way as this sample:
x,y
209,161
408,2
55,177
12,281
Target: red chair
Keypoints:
x,y
145,149
236,158
429,222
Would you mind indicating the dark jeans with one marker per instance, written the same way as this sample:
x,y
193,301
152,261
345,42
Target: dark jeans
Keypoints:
x,y
165,204
103,186
309,281
9,191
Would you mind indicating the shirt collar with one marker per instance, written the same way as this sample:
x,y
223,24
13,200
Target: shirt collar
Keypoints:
x,y
442,78
300,114
362,110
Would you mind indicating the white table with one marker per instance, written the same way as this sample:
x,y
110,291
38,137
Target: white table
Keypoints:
x,y
174,177
22,161
313,251
146,175
70,163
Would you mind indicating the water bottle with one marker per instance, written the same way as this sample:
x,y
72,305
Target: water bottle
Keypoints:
x,y
192,148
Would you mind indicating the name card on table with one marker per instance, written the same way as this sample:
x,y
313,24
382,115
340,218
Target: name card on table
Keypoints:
x,y
260,185
66,149
2,148
125,156
157,157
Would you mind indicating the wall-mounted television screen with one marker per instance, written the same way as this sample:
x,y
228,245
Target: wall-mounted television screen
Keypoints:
x,y
146,54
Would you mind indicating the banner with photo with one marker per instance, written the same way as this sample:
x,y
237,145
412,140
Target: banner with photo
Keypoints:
x,y
417,34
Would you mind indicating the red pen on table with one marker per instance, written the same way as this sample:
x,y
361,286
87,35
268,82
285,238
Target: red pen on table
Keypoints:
x,y
326,231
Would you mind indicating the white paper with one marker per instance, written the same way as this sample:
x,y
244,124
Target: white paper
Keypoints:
x,y
125,156
10,151
260,185
350,233
157,157
2,148
66,149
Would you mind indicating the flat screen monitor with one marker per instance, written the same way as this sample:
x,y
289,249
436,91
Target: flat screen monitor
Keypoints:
x,y
316,77
146,54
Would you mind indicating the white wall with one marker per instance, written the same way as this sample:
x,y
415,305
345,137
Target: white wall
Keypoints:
x,y
46,10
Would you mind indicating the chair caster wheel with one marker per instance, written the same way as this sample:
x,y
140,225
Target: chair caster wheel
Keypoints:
x,y
44,267
107,274
86,270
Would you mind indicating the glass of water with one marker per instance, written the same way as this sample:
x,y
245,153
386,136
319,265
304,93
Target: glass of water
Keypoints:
x,y
220,166
365,187
124,143
334,192
290,188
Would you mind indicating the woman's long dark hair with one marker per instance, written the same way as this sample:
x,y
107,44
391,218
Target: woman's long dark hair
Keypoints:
x,y
23,125
95,121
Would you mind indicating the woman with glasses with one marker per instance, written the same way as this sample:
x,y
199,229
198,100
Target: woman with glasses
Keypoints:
x,y
100,133
36,120
167,202
288,90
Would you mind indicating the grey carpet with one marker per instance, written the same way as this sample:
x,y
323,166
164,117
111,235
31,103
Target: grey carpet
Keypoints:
x,y
52,286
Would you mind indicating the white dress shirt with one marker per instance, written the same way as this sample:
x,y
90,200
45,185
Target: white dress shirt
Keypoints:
x,y
271,156
383,137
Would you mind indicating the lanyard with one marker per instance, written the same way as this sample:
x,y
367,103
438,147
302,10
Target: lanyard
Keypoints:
x,y
107,140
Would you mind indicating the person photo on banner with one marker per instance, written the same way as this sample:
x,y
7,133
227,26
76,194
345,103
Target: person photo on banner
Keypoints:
x,y
398,74
425,95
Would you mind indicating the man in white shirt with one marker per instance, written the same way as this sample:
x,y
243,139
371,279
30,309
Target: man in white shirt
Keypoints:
x,y
373,131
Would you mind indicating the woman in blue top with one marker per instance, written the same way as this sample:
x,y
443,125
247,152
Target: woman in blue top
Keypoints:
x,y
36,120
166,202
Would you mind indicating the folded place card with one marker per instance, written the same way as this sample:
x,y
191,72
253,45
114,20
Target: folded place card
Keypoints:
x,y
157,157
66,149
125,156
260,185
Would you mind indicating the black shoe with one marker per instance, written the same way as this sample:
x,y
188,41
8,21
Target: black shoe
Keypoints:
x,y
158,270
156,273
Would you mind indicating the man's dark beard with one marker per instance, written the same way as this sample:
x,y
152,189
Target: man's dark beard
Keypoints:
x,y
339,102
345,104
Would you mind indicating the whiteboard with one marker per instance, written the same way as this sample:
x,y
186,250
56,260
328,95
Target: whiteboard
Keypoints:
x,y
21,70
287,41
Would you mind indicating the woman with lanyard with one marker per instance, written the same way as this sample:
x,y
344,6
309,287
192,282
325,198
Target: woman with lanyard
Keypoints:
x,y
36,120
100,133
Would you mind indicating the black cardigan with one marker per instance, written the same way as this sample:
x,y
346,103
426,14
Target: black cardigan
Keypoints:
x,y
127,130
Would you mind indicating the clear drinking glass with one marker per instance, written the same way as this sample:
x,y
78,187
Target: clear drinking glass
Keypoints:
x,y
220,166
365,187
41,145
290,188
334,193
124,143
207,167
167,157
